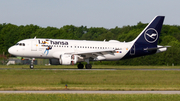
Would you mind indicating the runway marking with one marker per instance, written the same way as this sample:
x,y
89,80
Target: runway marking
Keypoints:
x,y
92,92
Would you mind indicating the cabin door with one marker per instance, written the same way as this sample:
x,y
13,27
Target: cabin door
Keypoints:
x,y
34,45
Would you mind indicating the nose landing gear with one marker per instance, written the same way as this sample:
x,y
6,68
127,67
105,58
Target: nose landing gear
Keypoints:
x,y
32,63
31,66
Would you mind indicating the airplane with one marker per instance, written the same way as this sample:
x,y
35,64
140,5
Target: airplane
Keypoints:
x,y
70,52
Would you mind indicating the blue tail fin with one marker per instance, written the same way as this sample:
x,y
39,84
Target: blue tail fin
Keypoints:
x,y
150,35
146,42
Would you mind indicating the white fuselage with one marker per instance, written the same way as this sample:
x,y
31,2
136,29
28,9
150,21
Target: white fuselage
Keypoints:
x,y
36,48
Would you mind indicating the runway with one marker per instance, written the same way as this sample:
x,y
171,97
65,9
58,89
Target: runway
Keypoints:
x,y
109,69
91,92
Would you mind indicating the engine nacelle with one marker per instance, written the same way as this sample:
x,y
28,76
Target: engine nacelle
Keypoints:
x,y
68,59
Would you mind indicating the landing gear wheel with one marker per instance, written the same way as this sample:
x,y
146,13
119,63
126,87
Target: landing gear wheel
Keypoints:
x,y
80,66
88,66
32,62
31,66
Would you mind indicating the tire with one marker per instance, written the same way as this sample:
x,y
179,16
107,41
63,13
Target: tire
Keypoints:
x,y
80,66
88,66
31,66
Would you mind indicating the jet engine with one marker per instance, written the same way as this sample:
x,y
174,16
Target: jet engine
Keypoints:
x,y
64,60
68,59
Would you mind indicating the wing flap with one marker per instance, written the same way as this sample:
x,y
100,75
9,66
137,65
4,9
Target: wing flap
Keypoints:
x,y
91,52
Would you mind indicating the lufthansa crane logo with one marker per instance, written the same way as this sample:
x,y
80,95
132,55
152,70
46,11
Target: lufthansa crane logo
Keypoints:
x,y
151,35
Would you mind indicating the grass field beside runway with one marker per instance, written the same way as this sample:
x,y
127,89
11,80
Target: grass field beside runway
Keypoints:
x,y
26,79
89,97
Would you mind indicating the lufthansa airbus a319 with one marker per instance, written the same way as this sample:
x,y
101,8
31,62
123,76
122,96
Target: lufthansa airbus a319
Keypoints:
x,y
69,52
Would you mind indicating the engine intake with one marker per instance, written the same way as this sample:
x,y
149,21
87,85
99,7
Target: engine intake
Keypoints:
x,y
68,59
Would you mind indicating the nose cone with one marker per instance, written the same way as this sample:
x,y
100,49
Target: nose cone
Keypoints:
x,y
11,50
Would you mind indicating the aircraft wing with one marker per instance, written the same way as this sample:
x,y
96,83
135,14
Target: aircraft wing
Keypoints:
x,y
87,54
92,52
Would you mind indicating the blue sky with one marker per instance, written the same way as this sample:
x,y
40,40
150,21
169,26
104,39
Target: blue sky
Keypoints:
x,y
90,13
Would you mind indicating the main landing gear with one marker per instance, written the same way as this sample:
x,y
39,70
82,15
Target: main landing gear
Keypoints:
x,y
88,66
81,66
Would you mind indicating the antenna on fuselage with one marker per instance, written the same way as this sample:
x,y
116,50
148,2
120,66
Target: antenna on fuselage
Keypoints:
x,y
35,37
104,40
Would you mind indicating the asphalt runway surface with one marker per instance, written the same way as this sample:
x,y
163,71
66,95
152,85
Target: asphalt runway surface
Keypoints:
x,y
91,92
143,69
119,69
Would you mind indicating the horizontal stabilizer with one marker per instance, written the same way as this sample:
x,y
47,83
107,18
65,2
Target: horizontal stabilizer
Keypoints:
x,y
159,47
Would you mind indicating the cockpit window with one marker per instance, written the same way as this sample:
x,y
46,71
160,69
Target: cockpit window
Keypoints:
x,y
20,44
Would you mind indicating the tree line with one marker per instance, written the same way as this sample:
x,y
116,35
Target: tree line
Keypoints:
x,y
10,34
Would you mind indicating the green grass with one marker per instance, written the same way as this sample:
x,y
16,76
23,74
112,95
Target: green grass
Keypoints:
x,y
89,97
26,79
